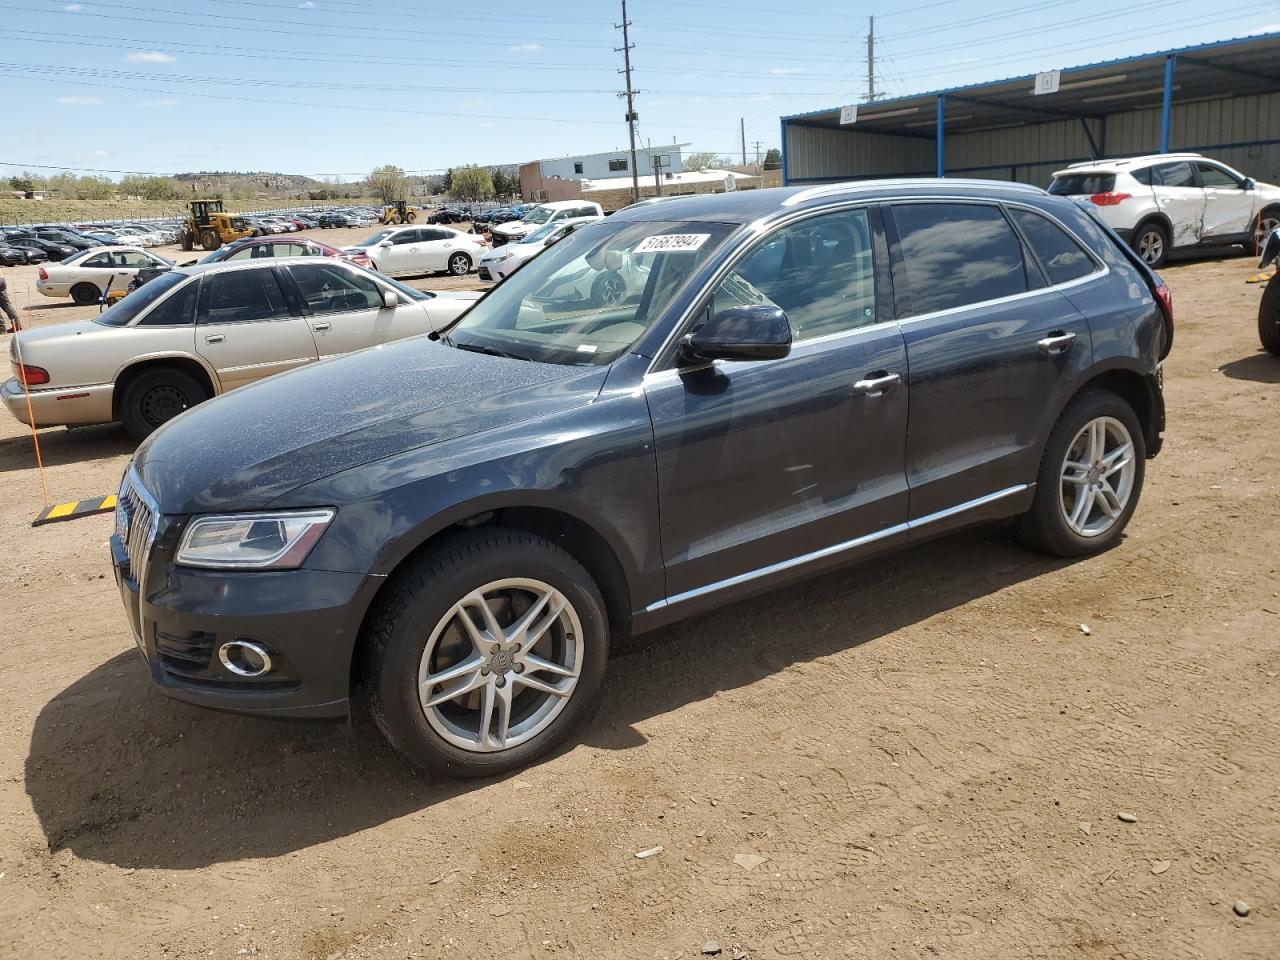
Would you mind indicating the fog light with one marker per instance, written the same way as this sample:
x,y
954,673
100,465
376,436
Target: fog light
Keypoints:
x,y
245,658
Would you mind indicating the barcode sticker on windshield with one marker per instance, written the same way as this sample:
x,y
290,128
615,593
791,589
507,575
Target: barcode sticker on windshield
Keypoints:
x,y
672,242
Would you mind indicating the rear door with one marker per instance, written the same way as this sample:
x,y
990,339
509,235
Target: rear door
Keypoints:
x,y
1181,199
1228,206
345,309
991,347
246,329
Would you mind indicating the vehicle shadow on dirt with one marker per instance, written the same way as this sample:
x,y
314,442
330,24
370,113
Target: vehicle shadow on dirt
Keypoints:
x,y
1260,368
62,447
118,773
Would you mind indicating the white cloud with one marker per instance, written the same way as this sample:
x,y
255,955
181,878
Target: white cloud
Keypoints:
x,y
149,56
525,47
75,101
786,71
306,5
73,8
157,103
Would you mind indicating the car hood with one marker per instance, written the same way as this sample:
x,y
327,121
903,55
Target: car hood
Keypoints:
x,y
247,448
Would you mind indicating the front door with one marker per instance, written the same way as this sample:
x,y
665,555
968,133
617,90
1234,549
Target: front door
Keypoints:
x,y
1181,199
990,346
245,328
1228,206
402,253
346,311
770,462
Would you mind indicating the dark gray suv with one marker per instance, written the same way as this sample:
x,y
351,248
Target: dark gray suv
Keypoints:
x,y
783,380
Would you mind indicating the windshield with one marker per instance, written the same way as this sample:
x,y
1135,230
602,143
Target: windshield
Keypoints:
x,y
542,233
404,288
125,310
590,296
538,215
376,238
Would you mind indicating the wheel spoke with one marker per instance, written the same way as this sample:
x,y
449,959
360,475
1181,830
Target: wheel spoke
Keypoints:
x,y
535,662
1109,500
1117,459
1083,506
493,630
466,686
486,713
502,698
459,669
517,629
1073,471
1097,440
536,633
479,639
533,683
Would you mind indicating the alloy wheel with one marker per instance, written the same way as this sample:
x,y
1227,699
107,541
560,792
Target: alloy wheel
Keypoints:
x,y
1265,226
501,665
1151,246
1097,477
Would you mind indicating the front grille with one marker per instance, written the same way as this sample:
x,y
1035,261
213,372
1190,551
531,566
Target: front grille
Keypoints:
x,y
136,523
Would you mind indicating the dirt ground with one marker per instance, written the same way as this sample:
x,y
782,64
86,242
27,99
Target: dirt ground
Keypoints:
x,y
923,757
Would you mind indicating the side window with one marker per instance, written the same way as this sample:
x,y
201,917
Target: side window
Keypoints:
x,y
177,310
329,289
819,271
1062,258
101,260
136,260
405,236
1216,178
1176,174
956,254
245,253
1143,176
242,296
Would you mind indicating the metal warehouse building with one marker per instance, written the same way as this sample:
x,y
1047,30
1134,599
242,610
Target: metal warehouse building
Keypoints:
x,y
1220,99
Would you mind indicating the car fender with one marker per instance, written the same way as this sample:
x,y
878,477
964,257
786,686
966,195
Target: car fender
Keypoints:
x,y
171,355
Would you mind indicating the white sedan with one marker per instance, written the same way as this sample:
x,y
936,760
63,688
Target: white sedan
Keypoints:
x,y
86,276
502,261
414,250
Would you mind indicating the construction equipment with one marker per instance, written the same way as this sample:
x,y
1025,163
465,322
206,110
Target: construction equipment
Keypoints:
x,y
209,227
399,212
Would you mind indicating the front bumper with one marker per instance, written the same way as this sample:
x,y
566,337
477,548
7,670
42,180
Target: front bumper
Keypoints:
x,y
60,406
307,619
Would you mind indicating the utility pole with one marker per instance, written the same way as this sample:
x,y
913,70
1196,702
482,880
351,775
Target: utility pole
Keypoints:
x,y
871,61
630,95
742,128
658,164
758,156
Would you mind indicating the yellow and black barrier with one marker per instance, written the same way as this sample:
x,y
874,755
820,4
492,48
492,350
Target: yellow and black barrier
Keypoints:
x,y
74,509
1262,277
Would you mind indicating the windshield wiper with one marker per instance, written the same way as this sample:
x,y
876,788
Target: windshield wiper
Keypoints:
x,y
480,348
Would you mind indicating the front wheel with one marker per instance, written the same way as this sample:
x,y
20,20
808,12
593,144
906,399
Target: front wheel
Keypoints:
x,y
1269,317
1090,478
486,653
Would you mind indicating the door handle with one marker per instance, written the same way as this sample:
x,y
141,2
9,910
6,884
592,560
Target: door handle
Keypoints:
x,y
321,325
876,384
214,338
1056,343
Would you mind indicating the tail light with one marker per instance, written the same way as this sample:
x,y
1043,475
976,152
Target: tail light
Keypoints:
x,y
1109,199
44,274
1164,297
28,375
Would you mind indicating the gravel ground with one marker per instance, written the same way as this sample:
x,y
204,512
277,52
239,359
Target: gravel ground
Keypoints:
x,y
922,757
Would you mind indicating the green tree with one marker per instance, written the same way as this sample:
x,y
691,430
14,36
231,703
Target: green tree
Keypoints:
x,y
26,182
446,182
499,180
773,159
699,161
472,183
389,183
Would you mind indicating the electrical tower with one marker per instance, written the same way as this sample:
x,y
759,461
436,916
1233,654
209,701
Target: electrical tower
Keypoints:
x,y
632,117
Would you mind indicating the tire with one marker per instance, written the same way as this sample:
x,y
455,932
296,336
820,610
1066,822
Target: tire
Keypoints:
x,y
155,397
609,288
188,242
459,264
410,217
1047,526
415,625
1152,237
1269,317
1268,220
210,240
85,294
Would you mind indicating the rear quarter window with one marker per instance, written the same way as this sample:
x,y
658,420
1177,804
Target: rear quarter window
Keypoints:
x,y
1082,184
1061,257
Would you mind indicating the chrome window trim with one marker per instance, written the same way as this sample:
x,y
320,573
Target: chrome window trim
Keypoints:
x,y
835,549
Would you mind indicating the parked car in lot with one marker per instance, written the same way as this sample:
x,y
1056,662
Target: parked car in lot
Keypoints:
x,y
399,251
30,254
1174,201
70,238
52,249
327,220
543,214
86,276
501,261
196,332
12,256
485,513
254,248
447,215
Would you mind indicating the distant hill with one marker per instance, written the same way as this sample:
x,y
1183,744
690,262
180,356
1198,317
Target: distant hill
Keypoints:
x,y
213,182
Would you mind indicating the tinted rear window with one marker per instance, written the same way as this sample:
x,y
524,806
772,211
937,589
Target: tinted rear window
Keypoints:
x,y
955,254
1062,258
1082,184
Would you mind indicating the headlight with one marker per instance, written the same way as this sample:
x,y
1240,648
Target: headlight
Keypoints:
x,y
505,256
253,541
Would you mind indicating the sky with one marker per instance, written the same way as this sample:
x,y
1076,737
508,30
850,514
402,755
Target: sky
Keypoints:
x,y
336,87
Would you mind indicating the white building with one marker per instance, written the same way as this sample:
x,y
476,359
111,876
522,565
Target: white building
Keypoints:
x,y
616,163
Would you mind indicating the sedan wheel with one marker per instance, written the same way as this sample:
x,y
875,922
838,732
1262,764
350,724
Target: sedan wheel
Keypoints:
x,y
1266,224
1097,477
459,264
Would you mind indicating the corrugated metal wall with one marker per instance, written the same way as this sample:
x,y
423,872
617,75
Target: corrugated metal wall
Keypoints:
x,y
1228,129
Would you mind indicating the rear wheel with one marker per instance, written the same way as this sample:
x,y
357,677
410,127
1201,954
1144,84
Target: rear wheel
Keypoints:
x,y
1268,221
210,240
486,653
459,264
188,242
1090,478
155,397
85,294
1151,243
1269,317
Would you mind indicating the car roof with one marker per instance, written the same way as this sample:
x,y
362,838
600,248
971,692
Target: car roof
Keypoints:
x,y
262,263
563,204
743,206
1129,163
116,248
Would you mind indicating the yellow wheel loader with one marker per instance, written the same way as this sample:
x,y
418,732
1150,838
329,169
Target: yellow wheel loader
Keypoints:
x,y
209,227
399,212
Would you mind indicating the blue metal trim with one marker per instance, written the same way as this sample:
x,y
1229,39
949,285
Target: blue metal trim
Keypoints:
x,y
1166,104
783,150
940,135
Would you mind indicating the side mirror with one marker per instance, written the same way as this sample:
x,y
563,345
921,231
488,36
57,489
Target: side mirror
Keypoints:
x,y
1249,183
755,332
390,300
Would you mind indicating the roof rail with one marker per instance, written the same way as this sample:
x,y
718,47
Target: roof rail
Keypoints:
x,y
866,186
